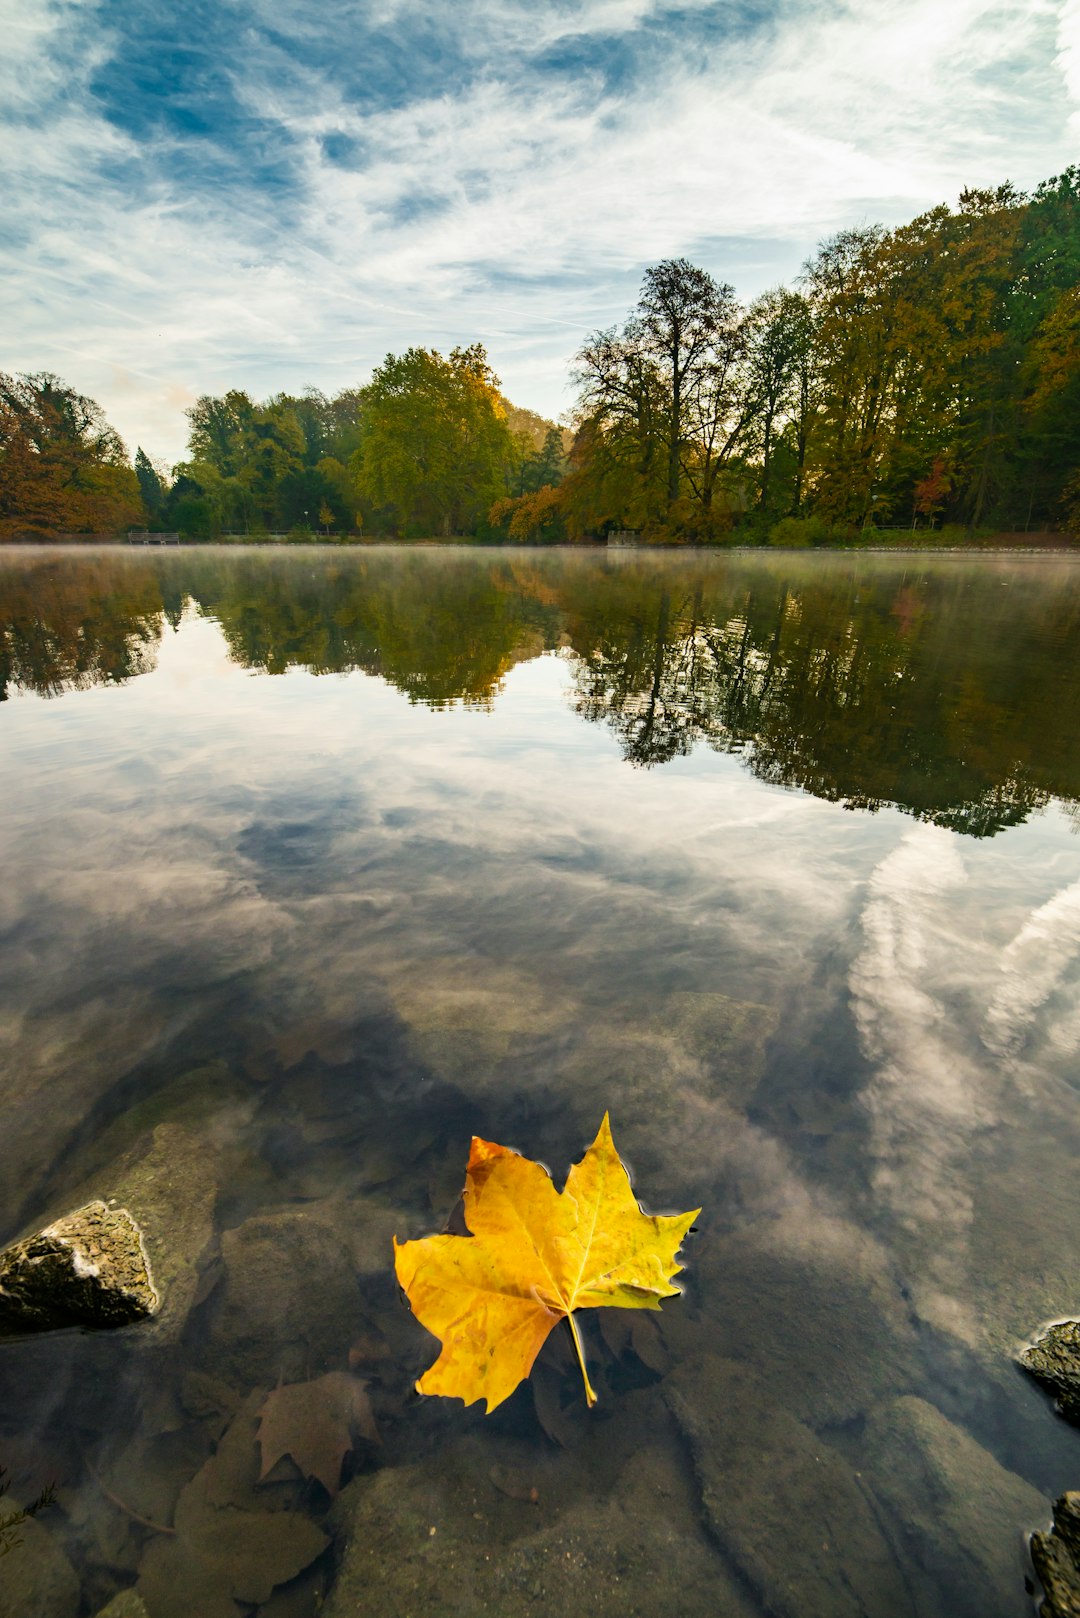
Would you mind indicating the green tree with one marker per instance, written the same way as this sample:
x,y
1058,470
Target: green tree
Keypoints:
x,y
780,336
151,486
219,430
434,441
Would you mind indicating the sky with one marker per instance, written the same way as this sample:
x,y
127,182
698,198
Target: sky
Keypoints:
x,y
273,194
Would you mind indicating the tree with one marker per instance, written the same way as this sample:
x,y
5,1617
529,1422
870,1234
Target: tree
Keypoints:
x,y
779,340
151,486
434,441
932,490
533,516
219,430
662,401
684,323
62,467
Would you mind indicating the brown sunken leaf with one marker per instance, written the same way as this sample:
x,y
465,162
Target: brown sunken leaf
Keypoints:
x,y
316,1424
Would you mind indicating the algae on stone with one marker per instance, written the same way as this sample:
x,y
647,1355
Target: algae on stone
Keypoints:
x,y
1054,1361
88,1268
1056,1557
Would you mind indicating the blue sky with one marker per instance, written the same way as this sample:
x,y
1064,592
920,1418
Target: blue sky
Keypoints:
x,y
269,193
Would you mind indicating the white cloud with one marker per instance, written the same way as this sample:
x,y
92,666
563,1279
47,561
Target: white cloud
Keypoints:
x,y
520,210
968,1037
1068,56
1033,967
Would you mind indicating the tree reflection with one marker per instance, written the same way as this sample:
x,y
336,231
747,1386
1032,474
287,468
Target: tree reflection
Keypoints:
x,y
952,692
67,626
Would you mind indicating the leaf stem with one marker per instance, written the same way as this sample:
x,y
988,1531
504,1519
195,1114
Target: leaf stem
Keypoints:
x,y
590,1396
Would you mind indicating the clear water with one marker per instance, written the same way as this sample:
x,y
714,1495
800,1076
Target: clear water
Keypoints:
x,y
317,863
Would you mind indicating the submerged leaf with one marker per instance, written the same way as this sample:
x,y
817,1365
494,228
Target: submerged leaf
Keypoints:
x,y
534,1256
314,1423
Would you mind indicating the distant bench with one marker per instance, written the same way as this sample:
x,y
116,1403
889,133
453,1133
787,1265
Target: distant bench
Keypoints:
x,y
142,536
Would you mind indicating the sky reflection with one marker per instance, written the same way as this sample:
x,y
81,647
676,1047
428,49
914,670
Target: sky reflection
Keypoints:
x,y
852,1035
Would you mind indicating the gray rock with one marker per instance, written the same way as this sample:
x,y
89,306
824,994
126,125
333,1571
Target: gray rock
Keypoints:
x,y
89,1268
1054,1360
289,1302
450,1536
36,1579
960,1514
789,1511
833,1338
163,1161
1056,1556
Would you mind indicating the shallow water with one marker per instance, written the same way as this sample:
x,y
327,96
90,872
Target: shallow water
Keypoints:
x,y
318,863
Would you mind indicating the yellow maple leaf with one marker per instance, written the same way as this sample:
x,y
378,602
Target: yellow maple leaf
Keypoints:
x,y
534,1256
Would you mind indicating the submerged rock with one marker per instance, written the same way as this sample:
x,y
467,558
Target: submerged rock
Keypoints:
x,y
960,1514
443,1536
828,1330
36,1579
1054,1360
163,1162
1056,1556
89,1268
792,1515
467,1027
289,1302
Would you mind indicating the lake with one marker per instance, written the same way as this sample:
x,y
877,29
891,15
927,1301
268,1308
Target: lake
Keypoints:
x,y
319,862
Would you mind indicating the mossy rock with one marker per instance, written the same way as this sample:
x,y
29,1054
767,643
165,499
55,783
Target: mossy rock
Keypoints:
x,y
1056,1557
88,1268
1054,1361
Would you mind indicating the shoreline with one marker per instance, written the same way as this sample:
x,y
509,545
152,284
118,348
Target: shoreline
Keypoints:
x,y
1069,547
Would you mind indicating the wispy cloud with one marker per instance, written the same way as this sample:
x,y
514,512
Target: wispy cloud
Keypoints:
x,y
269,194
971,1036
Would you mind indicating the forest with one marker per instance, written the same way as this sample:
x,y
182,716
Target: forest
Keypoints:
x,y
923,378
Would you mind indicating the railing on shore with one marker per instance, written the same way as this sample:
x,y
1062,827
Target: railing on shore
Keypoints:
x,y
143,536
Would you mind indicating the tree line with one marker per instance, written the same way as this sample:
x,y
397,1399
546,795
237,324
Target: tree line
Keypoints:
x,y
913,377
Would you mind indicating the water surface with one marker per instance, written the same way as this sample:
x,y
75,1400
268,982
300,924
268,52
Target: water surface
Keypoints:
x,y
319,863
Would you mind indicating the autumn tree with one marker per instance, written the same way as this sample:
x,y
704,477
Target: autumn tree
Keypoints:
x,y
536,516
660,400
62,467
